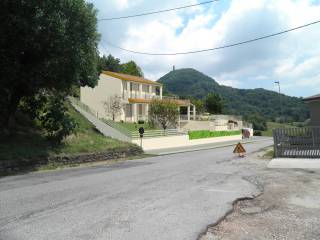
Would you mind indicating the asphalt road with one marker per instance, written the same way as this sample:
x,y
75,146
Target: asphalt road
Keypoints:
x,y
167,197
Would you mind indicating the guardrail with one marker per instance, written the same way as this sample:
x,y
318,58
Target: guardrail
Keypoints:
x,y
297,142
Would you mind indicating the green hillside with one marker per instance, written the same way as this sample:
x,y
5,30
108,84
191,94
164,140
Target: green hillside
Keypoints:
x,y
189,82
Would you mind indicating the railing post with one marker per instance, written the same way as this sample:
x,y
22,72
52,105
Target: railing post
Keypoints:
x,y
275,143
313,140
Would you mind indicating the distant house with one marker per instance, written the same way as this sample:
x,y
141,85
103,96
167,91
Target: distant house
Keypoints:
x,y
135,93
314,106
301,142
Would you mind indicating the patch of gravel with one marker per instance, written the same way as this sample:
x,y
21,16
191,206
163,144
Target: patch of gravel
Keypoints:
x,y
287,209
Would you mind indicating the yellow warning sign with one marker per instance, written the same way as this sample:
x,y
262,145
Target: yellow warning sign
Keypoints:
x,y
239,149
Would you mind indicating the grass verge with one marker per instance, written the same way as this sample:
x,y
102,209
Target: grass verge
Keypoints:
x,y
28,141
273,125
209,134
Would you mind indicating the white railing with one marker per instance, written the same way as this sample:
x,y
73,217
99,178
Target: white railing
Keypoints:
x,y
158,133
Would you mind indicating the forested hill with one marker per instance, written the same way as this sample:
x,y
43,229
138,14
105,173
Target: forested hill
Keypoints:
x,y
190,82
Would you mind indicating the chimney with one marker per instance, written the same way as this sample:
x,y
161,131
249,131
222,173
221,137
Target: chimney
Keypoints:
x,y
173,68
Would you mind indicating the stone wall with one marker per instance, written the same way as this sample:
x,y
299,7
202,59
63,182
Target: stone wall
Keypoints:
x,y
31,164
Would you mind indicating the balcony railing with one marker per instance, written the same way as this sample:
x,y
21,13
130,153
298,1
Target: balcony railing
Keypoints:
x,y
136,94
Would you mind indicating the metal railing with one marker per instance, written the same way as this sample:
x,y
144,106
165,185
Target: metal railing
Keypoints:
x,y
297,142
159,133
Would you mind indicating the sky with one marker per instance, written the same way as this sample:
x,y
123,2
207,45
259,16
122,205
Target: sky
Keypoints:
x,y
292,59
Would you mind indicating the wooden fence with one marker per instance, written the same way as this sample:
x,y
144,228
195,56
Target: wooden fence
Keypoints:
x,y
297,142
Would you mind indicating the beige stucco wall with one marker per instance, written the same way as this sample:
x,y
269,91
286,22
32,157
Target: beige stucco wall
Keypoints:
x,y
314,107
208,125
93,97
180,141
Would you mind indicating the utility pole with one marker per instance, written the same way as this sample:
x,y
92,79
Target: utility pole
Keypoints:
x,y
280,99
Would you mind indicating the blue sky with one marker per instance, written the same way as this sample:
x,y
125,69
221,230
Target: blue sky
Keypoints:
x,y
292,59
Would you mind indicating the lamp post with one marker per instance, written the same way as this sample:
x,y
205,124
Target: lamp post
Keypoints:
x,y
278,83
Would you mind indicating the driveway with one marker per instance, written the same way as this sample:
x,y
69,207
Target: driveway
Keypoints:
x,y
165,197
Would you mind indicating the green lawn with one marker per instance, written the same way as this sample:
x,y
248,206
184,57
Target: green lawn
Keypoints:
x,y
28,142
272,125
209,134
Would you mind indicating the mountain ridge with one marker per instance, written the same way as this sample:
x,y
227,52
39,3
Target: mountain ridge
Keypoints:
x,y
192,83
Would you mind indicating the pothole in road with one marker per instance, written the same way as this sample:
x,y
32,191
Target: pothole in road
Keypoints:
x,y
250,210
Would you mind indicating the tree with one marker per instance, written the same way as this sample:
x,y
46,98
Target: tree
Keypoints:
x,y
45,46
199,103
55,119
164,112
109,63
258,122
131,68
214,103
113,106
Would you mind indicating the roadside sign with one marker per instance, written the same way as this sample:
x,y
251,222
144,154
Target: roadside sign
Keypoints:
x,y
141,131
239,149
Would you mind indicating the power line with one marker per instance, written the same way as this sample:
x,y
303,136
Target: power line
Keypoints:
x,y
216,48
156,12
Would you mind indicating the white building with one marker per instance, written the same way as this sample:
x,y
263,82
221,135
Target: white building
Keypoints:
x,y
136,93
314,106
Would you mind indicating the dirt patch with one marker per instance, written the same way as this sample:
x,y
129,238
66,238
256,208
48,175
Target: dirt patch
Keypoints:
x,y
288,208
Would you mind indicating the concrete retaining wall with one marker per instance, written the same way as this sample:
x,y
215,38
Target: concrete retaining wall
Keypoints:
x,y
180,141
31,164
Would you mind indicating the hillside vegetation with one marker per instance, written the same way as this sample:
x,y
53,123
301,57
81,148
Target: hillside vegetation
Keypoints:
x,y
192,83
28,141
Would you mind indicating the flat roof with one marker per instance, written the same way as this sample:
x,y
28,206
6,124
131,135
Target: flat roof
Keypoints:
x,y
314,97
131,78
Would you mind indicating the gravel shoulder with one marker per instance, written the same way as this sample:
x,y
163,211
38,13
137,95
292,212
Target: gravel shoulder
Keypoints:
x,y
287,208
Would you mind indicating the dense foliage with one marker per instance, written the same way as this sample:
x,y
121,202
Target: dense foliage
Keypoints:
x,y
213,103
189,82
258,122
55,119
46,47
164,112
110,63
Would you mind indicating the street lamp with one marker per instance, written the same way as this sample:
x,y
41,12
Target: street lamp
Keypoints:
x,y
277,82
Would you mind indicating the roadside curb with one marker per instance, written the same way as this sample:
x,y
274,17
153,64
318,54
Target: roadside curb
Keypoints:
x,y
205,148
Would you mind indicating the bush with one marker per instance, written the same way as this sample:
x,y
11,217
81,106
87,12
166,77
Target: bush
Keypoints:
x,y
141,122
55,120
257,133
258,121
209,134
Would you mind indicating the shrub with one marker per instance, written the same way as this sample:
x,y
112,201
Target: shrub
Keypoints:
x,y
141,122
257,133
209,134
55,120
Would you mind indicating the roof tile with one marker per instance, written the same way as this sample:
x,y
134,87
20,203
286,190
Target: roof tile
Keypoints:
x,y
130,78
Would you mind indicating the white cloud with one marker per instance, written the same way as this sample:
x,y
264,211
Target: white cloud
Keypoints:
x,y
290,59
228,82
